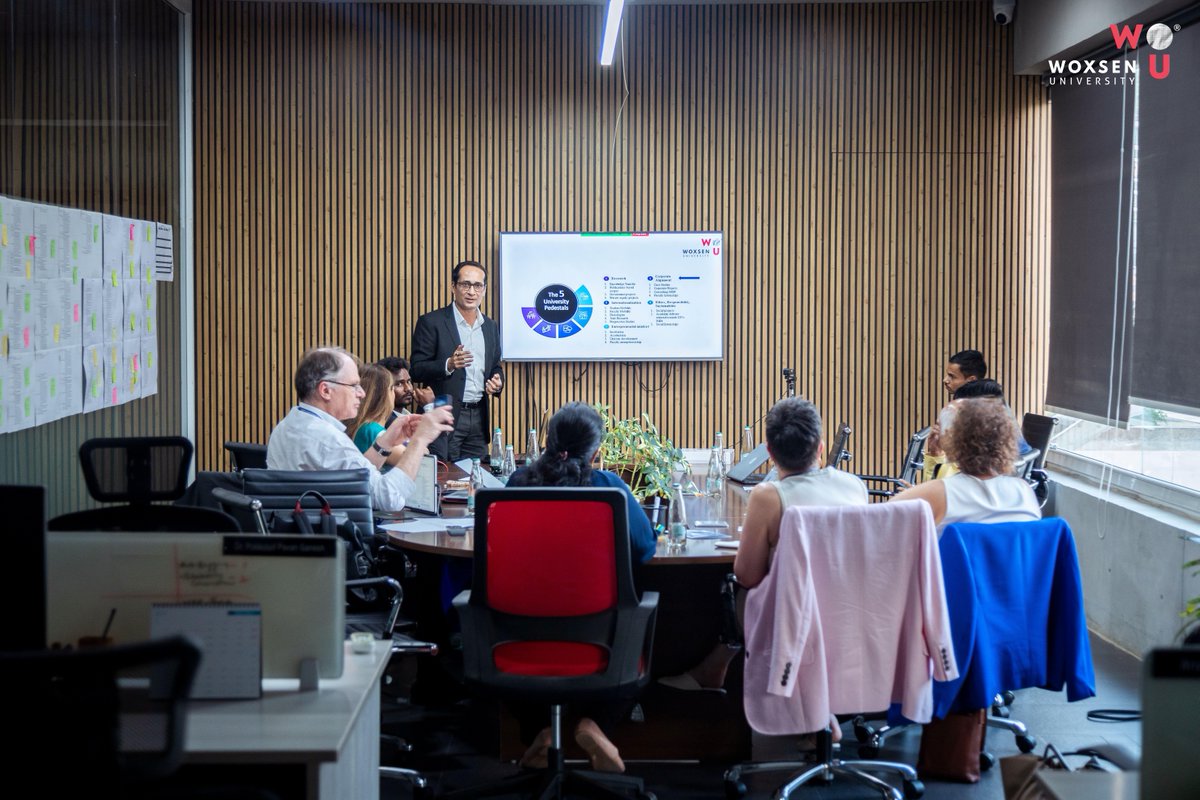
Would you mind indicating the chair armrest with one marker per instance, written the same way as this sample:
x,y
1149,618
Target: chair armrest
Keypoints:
x,y
397,596
894,485
240,502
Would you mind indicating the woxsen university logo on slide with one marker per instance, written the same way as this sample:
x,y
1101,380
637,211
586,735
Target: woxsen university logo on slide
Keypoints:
x,y
708,247
1118,71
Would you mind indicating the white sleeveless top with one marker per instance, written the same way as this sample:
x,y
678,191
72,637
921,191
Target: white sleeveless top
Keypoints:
x,y
821,487
1000,499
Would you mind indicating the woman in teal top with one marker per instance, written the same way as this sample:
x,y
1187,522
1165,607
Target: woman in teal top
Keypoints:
x,y
376,407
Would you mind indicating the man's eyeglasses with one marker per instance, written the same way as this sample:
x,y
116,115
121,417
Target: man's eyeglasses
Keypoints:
x,y
353,386
471,286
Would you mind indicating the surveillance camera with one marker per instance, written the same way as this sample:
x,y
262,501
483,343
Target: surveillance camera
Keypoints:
x,y
1003,10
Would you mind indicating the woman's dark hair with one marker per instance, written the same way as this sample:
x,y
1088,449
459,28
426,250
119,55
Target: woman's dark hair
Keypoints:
x,y
572,438
984,387
794,433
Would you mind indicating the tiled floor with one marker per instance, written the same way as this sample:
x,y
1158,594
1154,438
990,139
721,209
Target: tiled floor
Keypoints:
x,y
452,744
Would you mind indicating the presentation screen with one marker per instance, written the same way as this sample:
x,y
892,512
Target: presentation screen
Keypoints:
x,y
612,296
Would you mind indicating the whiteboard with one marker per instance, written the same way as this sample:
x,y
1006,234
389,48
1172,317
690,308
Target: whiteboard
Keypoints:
x,y
303,596
612,296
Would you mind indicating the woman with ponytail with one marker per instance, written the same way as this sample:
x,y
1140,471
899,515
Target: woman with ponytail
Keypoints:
x,y
572,439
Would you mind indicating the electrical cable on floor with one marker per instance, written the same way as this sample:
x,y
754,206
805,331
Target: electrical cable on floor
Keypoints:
x,y
1114,715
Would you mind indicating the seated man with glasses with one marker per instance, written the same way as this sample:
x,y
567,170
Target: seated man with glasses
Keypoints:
x,y
456,352
312,436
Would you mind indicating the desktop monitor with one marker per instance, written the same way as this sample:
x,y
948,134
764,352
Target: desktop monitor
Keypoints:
x,y
299,582
24,584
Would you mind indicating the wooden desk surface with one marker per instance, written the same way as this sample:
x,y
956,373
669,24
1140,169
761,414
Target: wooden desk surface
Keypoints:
x,y
731,508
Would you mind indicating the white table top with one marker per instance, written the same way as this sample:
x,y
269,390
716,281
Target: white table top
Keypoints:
x,y
286,725
1090,785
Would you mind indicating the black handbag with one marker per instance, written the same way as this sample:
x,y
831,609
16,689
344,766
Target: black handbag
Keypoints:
x,y
324,521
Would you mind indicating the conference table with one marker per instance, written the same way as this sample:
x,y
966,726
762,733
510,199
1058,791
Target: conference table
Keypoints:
x,y
729,508
704,725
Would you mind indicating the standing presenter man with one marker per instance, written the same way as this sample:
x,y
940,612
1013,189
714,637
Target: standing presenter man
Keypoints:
x,y
456,351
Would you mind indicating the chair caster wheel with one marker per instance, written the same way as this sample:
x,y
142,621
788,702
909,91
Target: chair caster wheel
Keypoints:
x,y
862,731
647,796
986,761
1026,743
1001,711
867,751
735,790
913,790
1008,697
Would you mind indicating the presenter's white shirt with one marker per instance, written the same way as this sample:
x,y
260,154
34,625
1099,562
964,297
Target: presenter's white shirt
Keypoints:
x,y
471,337
309,439
1000,499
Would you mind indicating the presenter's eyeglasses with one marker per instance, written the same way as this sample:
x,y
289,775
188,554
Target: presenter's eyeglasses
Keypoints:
x,y
471,286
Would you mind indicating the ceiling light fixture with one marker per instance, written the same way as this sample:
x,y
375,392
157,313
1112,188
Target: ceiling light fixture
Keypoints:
x,y
611,24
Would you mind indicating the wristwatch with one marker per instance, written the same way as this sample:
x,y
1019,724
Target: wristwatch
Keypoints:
x,y
380,450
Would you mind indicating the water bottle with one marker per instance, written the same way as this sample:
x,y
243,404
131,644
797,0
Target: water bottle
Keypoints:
x,y
497,451
531,447
510,462
676,520
719,441
747,441
474,482
714,482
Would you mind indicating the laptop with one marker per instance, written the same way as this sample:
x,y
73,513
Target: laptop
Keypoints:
x,y
424,498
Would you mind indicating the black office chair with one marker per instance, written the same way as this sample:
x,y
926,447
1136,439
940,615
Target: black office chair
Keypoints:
x,y
1038,430
247,455
837,448
139,472
49,694
552,617
910,469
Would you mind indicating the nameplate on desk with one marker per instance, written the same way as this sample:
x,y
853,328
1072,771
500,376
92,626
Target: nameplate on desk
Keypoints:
x,y
292,546
230,639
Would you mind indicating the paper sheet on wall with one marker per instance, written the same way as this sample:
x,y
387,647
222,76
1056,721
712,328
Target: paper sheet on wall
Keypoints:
x,y
20,391
149,306
164,261
147,233
113,300
148,376
16,229
115,391
119,249
133,368
51,225
59,376
131,323
58,304
86,245
93,377
92,321
18,331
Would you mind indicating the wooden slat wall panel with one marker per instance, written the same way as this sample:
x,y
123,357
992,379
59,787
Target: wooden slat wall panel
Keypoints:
x,y
89,118
879,175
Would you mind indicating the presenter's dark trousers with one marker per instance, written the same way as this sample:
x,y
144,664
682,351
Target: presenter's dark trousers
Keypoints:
x,y
469,440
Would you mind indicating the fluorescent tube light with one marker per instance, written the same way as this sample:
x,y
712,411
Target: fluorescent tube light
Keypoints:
x,y
611,24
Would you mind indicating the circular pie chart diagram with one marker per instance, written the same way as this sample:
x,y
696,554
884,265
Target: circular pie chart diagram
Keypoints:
x,y
558,311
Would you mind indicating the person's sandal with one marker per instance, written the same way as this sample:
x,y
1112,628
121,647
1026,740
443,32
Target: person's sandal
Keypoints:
x,y
538,754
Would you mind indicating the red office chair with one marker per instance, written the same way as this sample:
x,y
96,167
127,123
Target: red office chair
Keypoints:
x,y
552,617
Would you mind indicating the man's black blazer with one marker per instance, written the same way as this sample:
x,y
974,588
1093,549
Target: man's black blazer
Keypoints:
x,y
433,341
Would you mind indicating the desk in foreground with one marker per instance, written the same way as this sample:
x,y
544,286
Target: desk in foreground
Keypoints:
x,y
327,740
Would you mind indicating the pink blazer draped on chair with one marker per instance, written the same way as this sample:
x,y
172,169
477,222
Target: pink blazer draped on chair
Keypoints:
x,y
850,618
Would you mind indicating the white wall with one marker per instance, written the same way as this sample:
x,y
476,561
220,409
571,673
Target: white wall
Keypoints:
x,y
1131,558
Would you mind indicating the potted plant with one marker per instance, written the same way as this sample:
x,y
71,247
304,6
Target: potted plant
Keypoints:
x,y
635,450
